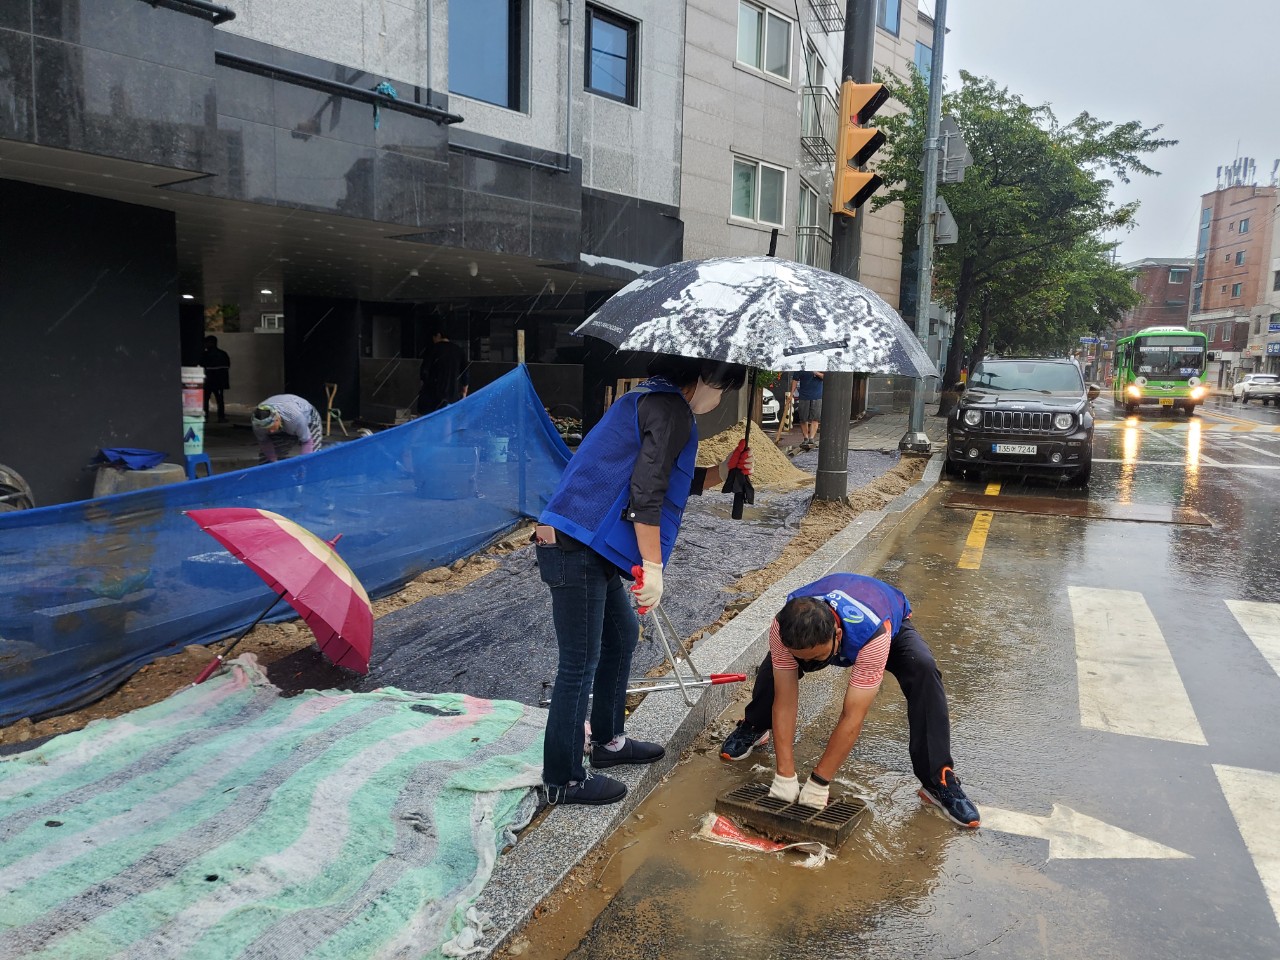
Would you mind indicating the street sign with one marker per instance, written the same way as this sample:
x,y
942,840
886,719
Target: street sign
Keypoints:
x,y
1273,349
947,230
1088,339
955,152
1273,328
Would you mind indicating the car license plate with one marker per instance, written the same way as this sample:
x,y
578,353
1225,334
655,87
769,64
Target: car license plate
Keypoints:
x,y
1166,401
1025,449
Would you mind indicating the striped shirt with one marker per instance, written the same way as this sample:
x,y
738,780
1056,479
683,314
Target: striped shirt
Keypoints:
x,y
867,670
299,425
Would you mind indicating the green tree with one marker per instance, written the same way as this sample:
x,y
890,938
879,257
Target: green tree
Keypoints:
x,y
1030,213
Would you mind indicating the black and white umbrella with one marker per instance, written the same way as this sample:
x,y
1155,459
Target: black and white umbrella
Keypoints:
x,y
761,312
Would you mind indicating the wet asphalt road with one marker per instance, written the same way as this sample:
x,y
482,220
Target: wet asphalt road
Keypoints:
x,y
1114,715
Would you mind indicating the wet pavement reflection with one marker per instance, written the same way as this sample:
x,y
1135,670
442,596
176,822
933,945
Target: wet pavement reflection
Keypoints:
x,y
1008,636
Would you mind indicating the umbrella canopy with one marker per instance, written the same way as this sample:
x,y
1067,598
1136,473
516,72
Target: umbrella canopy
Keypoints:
x,y
306,571
761,312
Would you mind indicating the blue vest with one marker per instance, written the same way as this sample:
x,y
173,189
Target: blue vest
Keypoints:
x,y
595,489
862,604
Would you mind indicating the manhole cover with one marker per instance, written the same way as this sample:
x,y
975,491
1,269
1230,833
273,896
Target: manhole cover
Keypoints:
x,y
751,806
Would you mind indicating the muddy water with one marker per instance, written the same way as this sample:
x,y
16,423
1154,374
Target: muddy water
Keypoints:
x,y
906,883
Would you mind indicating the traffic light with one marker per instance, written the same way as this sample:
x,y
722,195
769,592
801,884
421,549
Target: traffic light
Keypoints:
x,y
854,146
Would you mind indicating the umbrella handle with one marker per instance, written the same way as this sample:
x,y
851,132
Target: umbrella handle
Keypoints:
x,y
207,672
739,498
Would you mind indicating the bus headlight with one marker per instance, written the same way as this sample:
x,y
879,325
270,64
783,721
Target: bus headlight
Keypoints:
x,y
1134,391
1198,393
1062,421
972,418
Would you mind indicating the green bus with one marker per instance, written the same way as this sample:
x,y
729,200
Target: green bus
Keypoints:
x,y
1160,366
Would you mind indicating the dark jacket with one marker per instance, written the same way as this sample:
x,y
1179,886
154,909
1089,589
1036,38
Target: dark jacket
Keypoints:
x,y
217,368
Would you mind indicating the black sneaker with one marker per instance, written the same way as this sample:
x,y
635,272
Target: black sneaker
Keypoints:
x,y
594,791
742,741
948,796
633,751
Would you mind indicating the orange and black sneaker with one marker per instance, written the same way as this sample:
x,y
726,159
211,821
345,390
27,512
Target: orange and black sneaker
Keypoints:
x,y
948,796
742,741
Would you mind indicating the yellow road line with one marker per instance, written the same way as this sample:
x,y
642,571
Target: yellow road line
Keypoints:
x,y
971,556
1245,428
993,490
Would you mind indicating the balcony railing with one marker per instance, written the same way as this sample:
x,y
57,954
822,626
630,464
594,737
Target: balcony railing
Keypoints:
x,y
813,246
818,124
829,14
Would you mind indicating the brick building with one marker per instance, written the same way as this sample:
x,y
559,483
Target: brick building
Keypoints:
x,y
1164,283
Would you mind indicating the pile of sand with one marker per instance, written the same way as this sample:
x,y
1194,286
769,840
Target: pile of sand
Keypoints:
x,y
770,466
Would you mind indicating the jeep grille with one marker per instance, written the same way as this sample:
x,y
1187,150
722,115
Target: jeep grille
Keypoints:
x,y
1017,420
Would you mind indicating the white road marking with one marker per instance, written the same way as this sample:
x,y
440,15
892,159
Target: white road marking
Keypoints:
x,y
1248,446
1074,836
1251,796
1182,463
1128,682
1261,621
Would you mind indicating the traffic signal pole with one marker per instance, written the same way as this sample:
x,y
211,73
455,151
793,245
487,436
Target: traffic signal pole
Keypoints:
x,y
832,482
915,440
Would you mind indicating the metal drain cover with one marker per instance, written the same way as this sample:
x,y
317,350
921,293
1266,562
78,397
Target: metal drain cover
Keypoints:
x,y
751,806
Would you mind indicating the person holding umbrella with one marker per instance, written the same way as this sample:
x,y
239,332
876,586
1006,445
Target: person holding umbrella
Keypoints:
x,y
616,514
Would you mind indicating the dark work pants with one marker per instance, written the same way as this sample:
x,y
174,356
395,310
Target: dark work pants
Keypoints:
x,y
912,665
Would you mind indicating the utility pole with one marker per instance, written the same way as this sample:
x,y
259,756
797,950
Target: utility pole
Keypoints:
x,y
832,482
915,440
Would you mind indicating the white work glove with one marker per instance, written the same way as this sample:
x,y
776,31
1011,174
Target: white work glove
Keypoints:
x,y
814,794
785,789
648,585
740,458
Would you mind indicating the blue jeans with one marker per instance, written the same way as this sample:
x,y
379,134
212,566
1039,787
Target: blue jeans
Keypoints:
x,y
596,632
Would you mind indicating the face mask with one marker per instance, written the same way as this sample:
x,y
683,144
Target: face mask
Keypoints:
x,y
705,398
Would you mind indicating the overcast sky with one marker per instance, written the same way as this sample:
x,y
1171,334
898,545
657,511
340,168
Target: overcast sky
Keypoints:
x,y
1208,71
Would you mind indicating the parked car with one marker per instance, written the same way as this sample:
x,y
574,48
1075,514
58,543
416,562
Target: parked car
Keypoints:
x,y
1257,386
770,409
1030,416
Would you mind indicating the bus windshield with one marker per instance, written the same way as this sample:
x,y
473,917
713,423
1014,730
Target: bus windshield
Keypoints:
x,y
1175,358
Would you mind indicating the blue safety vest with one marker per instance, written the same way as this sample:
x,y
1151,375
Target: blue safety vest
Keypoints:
x,y
862,604
595,489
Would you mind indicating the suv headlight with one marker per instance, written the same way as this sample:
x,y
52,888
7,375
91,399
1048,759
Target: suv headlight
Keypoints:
x,y
972,418
1062,421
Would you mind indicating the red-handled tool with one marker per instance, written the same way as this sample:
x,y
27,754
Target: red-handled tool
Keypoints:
x,y
638,573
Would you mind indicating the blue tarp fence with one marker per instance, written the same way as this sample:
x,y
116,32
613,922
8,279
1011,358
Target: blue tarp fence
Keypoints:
x,y
92,590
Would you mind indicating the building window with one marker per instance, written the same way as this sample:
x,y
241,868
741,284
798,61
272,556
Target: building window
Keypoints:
x,y
487,51
1239,258
611,56
1244,225
1275,283
759,191
889,15
1226,258
1212,330
924,59
1236,288
1178,275
816,68
764,40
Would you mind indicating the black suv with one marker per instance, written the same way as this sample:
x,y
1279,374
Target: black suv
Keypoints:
x,y
1026,415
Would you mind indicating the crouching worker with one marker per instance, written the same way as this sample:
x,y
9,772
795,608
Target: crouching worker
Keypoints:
x,y
285,425
847,620
615,515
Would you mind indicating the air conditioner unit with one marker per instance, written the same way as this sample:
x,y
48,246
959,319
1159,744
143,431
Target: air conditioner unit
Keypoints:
x,y
270,323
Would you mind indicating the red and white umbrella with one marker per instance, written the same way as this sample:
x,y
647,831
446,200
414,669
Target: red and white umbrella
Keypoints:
x,y
303,570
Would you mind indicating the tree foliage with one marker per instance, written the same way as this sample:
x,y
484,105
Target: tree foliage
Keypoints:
x,y
1029,262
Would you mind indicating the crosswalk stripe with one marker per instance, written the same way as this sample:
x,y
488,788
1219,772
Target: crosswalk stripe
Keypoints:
x,y
1251,796
1128,682
1261,622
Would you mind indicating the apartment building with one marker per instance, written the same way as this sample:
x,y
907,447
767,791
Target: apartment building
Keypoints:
x,y
1164,284
1234,250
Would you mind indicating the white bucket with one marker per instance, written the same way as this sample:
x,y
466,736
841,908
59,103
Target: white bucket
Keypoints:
x,y
193,434
192,393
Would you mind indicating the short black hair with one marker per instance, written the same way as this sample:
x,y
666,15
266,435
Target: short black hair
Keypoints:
x,y
686,371
211,340
805,622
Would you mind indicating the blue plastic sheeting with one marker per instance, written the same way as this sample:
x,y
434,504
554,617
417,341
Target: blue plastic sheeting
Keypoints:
x,y
90,591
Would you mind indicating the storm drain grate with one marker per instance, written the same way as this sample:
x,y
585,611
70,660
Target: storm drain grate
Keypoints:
x,y
751,806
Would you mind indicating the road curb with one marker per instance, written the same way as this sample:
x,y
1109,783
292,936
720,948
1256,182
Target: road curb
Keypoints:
x,y
534,867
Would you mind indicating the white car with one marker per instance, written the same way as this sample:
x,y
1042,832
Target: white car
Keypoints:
x,y
1257,386
769,409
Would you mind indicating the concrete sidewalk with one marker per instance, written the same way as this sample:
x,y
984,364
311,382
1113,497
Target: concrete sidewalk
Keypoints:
x,y
531,870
